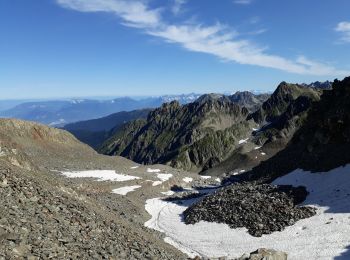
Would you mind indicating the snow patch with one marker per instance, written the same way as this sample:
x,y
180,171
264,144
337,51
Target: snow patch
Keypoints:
x,y
164,176
168,193
323,236
263,153
187,179
243,141
134,167
100,175
156,183
152,170
125,190
205,177
257,147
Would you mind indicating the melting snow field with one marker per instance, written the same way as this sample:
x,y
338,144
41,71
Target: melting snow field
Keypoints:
x,y
324,236
125,190
100,175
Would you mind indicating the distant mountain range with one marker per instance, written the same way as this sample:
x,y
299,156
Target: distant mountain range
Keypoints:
x,y
216,131
59,113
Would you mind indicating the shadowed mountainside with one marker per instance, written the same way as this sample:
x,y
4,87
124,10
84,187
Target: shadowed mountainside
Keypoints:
x,y
321,144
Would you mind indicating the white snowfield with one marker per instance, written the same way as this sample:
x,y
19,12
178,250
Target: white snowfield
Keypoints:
x,y
125,190
205,177
187,179
323,236
100,175
134,167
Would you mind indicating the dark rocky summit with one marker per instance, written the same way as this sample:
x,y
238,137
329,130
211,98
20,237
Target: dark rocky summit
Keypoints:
x,y
262,208
281,99
321,144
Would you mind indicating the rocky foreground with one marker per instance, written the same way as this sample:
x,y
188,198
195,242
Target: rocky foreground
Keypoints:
x,y
39,221
261,208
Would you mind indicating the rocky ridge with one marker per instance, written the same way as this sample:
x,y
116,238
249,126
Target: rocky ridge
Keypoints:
x,y
321,144
287,109
192,137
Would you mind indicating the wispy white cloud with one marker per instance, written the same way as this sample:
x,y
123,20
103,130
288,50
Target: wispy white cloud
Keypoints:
x,y
217,40
177,8
133,13
344,29
243,2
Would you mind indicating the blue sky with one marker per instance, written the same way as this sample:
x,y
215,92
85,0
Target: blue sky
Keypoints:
x,y
62,48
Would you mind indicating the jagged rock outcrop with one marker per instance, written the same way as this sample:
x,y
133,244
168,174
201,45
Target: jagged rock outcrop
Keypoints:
x,y
320,85
249,100
193,136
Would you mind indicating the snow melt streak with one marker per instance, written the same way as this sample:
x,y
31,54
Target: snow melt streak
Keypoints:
x,y
323,236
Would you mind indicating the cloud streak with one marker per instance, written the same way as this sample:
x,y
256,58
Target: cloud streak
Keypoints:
x,y
217,40
243,2
344,29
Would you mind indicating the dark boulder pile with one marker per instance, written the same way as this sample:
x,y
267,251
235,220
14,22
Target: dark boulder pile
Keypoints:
x,y
261,208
